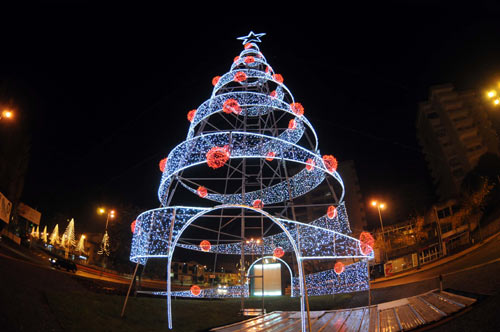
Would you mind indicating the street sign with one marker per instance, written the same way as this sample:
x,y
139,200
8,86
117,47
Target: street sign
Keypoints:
x,y
5,208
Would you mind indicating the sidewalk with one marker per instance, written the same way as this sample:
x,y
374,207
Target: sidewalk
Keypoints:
x,y
11,249
17,250
436,262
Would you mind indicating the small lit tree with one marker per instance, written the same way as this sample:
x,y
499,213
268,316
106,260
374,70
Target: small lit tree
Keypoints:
x,y
54,237
80,247
69,235
44,234
35,232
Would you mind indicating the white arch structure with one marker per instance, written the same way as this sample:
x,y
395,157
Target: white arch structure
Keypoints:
x,y
158,231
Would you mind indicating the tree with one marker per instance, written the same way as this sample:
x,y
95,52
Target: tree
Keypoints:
x,y
120,236
54,237
420,233
69,235
488,167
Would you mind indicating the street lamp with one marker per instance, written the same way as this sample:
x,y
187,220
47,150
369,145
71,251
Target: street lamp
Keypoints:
x,y
104,249
7,114
493,95
381,206
110,215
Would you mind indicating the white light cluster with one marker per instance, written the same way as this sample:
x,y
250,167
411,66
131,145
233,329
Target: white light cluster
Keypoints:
x,y
339,224
255,77
252,104
297,185
152,231
217,292
152,234
353,279
193,152
259,60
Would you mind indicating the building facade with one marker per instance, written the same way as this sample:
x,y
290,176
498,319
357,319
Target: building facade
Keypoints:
x,y
310,207
354,201
454,131
189,273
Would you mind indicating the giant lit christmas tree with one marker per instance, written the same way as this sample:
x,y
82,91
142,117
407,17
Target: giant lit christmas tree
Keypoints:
x,y
249,155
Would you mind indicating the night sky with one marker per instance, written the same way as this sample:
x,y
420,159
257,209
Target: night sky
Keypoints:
x,y
106,90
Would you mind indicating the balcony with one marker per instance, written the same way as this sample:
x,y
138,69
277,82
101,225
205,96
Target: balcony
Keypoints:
x,y
467,132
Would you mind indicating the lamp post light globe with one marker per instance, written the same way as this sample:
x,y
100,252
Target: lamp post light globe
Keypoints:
x,y
381,206
6,113
493,96
111,214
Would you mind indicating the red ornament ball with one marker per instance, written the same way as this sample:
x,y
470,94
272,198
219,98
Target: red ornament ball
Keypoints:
x,y
248,45
162,164
278,252
205,245
195,290
366,243
270,156
215,80
240,76
249,59
202,191
236,58
292,124
190,115
339,267
132,226
267,70
258,204
273,94
331,212
231,106
218,156
330,163
297,108
310,164
278,78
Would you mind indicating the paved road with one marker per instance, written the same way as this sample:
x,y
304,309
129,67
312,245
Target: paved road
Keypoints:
x,y
41,258
475,272
488,253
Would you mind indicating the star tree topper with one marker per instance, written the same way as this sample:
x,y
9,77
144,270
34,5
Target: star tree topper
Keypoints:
x,y
251,37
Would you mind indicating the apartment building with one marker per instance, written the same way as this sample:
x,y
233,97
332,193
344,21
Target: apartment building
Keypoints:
x,y
354,201
454,131
310,207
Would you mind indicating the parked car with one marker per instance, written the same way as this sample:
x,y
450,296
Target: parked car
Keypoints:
x,y
60,263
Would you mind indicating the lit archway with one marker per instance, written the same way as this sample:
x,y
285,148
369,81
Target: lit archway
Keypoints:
x,y
273,257
173,244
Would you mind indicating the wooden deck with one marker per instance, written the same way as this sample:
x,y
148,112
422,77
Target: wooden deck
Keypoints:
x,y
401,315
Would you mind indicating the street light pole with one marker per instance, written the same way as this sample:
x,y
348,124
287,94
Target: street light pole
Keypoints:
x,y
105,239
107,220
380,206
